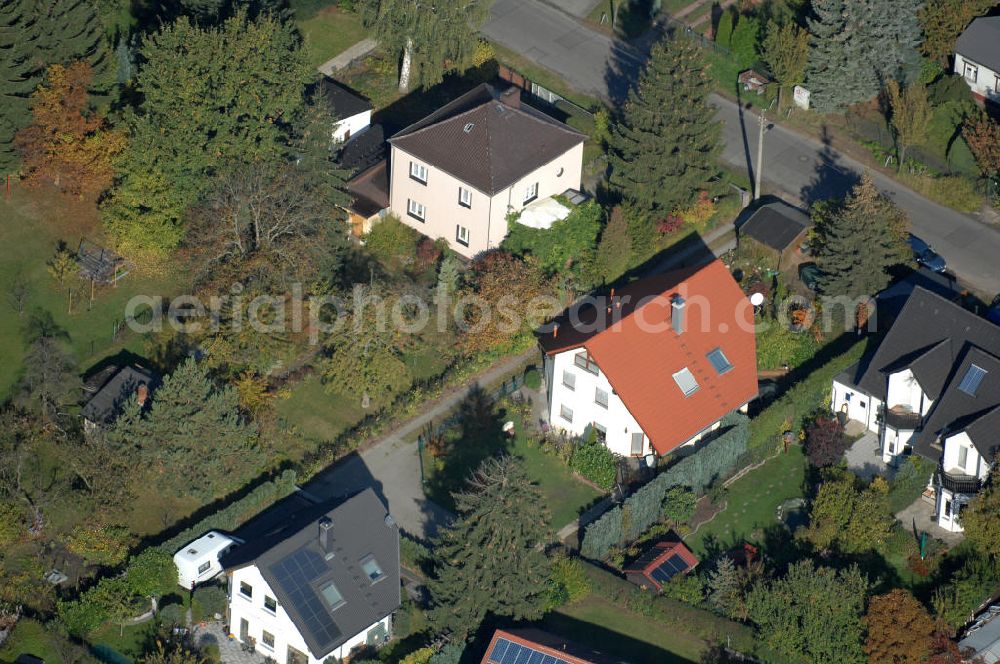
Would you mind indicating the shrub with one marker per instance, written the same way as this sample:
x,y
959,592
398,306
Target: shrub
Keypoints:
x,y
687,588
954,191
678,505
152,573
532,379
391,241
955,601
669,224
172,614
825,441
569,582
559,246
699,212
595,462
909,482
413,554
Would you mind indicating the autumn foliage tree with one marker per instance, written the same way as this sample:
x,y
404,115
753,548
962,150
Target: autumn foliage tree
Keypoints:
x,y
899,629
66,144
983,137
825,442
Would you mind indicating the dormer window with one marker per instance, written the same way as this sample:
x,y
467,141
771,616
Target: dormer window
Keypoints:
x,y
973,377
686,381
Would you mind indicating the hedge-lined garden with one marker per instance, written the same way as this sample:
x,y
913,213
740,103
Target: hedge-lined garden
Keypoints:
x,y
645,507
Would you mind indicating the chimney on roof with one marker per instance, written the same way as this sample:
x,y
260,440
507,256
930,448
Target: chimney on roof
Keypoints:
x,y
326,536
511,97
677,306
141,394
555,330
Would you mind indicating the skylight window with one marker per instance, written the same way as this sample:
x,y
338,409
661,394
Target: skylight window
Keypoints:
x,y
371,568
332,596
719,361
973,377
686,381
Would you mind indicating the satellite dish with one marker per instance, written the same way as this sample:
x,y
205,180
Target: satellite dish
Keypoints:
x,y
757,299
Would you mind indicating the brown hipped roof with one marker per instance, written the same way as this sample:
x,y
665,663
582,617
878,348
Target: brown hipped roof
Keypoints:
x,y
487,138
639,352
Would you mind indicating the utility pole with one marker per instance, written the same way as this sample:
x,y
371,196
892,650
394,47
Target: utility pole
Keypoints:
x,y
759,166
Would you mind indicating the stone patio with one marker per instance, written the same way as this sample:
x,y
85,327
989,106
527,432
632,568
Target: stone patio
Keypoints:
x,y
917,519
864,458
230,650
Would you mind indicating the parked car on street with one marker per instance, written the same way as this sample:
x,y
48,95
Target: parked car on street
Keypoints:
x,y
926,256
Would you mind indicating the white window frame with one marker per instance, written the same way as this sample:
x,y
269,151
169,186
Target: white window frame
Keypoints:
x,y
597,393
642,444
462,235
569,380
531,193
416,210
246,595
970,67
566,413
204,567
418,172
263,639
267,608
464,197
963,451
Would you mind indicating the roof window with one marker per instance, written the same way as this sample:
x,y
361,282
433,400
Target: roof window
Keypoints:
x,y
719,361
468,127
973,377
686,381
332,596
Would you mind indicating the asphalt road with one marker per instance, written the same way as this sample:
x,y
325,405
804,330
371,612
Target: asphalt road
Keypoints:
x,y
795,166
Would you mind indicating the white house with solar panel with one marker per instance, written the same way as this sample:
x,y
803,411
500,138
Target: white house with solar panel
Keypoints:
x,y
323,587
932,387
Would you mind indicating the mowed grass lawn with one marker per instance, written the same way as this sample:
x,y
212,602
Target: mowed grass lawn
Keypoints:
x,y
597,623
328,32
32,223
565,495
752,501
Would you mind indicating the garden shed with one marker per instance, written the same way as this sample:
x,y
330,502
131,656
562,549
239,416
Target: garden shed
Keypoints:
x,y
660,563
776,227
198,561
99,264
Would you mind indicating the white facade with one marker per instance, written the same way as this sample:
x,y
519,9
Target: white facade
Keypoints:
x,y
441,205
959,459
984,82
198,561
350,126
262,619
856,404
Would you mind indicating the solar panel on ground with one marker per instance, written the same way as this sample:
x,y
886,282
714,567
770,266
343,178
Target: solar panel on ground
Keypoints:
x,y
507,652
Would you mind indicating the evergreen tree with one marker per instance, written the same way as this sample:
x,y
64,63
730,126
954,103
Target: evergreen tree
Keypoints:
x,y
426,36
891,30
71,30
724,33
724,588
860,241
491,559
316,152
745,40
614,251
18,75
785,50
665,146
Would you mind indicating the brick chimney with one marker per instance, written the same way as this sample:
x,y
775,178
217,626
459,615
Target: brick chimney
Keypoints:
x,y
511,97
141,394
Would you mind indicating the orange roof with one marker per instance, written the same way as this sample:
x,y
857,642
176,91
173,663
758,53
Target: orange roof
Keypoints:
x,y
639,352
516,645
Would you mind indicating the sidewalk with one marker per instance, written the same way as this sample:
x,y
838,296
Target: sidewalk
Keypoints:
x,y
345,58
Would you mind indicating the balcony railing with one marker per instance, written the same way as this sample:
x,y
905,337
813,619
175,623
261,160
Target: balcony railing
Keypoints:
x,y
903,420
958,482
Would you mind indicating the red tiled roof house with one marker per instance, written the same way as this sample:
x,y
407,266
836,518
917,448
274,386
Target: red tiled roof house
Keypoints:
x,y
534,646
655,365
659,564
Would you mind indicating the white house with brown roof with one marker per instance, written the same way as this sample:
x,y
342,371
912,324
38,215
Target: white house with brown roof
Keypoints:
x,y
977,58
655,365
461,171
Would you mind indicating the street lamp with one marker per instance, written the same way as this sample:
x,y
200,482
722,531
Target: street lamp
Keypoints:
x,y
758,171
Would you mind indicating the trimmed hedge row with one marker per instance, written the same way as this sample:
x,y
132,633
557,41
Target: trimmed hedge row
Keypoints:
x,y
235,514
644,508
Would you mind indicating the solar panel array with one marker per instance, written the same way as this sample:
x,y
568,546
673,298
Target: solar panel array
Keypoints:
x,y
669,568
508,652
973,377
295,573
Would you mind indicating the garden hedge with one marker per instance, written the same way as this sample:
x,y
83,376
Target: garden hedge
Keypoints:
x,y
644,508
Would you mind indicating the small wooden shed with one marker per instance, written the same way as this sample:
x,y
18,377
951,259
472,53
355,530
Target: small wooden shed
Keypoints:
x,y
778,227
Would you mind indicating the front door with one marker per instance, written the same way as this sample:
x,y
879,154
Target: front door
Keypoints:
x,y
244,630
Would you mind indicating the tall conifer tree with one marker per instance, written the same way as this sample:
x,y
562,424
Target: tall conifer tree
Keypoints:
x,y
491,557
665,146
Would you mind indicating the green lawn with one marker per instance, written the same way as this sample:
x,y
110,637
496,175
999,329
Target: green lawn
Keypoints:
x,y
30,638
599,624
32,222
752,501
318,415
565,495
328,32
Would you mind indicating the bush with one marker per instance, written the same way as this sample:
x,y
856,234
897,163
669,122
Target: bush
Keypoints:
x,y
687,588
532,379
909,482
825,441
569,582
955,601
678,505
413,554
152,573
645,507
559,246
595,462
391,241
954,191
172,614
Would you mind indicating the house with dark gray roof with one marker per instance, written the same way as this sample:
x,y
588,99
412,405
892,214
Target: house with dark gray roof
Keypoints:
x,y
352,113
932,387
977,58
110,389
324,584
462,170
